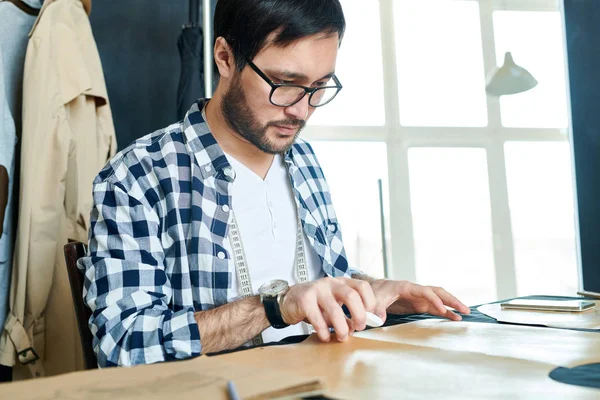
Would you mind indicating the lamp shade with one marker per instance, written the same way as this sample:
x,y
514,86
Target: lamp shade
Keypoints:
x,y
510,79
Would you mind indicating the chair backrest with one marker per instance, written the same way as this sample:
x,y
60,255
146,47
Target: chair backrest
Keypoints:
x,y
73,252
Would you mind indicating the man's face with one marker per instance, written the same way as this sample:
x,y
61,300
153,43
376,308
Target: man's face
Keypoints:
x,y
246,104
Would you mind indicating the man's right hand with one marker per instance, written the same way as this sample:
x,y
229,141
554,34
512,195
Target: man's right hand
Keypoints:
x,y
320,304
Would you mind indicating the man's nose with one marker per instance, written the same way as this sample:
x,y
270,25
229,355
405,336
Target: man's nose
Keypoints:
x,y
299,110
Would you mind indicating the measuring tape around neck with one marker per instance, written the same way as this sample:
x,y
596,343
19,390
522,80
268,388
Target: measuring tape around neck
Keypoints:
x,y
241,266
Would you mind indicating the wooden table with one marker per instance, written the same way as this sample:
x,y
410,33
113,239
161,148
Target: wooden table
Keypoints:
x,y
429,359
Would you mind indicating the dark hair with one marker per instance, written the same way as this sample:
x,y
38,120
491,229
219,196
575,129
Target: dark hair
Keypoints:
x,y
246,24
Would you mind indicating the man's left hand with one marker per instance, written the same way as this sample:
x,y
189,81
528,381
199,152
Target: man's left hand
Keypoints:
x,y
402,297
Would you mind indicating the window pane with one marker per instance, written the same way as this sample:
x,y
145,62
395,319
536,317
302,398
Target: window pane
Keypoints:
x,y
352,170
440,63
540,189
536,43
452,221
360,69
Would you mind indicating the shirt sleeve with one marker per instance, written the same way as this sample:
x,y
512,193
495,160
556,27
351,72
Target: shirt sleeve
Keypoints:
x,y
127,288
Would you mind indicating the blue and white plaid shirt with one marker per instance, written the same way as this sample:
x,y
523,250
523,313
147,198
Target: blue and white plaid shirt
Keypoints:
x,y
158,247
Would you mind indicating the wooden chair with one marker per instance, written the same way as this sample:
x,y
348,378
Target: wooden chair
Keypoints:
x,y
73,252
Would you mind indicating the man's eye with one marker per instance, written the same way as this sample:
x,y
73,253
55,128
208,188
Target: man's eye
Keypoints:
x,y
320,84
282,82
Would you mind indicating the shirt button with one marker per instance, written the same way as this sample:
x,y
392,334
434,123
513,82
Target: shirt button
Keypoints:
x,y
229,172
221,255
225,208
208,168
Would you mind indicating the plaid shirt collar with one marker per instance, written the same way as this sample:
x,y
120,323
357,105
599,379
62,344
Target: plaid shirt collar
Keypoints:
x,y
208,153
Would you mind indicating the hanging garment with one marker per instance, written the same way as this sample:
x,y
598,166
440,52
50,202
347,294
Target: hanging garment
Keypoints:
x,y
7,152
191,80
14,29
67,138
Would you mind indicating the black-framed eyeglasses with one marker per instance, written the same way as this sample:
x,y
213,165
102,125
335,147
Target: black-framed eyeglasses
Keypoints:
x,y
286,95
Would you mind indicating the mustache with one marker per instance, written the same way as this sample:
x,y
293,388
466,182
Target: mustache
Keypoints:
x,y
299,123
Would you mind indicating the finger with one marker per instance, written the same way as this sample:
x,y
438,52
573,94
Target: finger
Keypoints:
x,y
335,316
351,327
452,301
434,301
365,291
452,316
315,317
350,297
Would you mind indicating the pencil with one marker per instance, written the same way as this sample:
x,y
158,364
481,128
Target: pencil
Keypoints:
x,y
233,394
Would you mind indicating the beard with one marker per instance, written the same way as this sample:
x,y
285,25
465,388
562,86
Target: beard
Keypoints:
x,y
243,120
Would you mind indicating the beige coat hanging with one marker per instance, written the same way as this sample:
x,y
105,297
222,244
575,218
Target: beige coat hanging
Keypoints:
x,y
68,136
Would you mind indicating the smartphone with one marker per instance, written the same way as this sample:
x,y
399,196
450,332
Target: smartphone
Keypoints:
x,y
587,293
548,305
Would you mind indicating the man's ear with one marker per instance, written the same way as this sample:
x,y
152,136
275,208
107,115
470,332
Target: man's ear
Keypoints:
x,y
224,58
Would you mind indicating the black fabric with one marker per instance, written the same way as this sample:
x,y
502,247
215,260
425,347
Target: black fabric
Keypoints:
x,y
583,375
5,373
288,340
191,79
137,42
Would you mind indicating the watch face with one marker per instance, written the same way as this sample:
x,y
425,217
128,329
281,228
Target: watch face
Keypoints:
x,y
273,288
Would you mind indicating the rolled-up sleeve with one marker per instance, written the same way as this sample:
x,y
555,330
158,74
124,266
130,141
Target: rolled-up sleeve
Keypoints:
x,y
127,287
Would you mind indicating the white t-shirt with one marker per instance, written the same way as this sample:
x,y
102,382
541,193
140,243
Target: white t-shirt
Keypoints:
x,y
266,214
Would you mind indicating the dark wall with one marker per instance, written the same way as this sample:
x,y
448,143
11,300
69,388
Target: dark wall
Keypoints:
x,y
583,46
137,41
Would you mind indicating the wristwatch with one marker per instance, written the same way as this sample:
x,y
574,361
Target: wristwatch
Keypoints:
x,y
271,294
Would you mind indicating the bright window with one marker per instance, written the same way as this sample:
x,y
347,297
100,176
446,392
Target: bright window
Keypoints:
x,y
451,221
360,69
540,189
352,170
440,63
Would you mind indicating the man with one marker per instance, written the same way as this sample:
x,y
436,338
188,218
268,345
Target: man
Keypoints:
x,y
190,221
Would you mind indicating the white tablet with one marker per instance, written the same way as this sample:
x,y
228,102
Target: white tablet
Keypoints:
x,y
549,305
